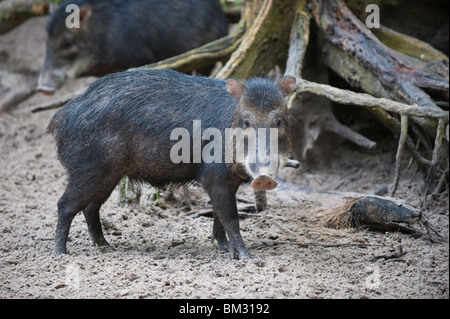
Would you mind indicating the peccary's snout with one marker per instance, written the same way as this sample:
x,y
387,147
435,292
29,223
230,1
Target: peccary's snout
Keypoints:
x,y
50,80
52,75
264,183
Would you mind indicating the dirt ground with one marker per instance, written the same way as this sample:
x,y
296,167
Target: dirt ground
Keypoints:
x,y
162,250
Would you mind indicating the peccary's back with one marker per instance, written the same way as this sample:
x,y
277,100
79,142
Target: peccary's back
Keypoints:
x,y
131,111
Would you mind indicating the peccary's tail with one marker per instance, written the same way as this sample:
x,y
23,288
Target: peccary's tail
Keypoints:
x,y
54,127
54,124
51,126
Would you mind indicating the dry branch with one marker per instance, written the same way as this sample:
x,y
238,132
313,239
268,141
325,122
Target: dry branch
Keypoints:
x,y
408,45
58,103
207,54
401,147
368,101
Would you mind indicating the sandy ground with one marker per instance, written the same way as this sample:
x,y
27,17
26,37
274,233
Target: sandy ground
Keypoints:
x,y
161,250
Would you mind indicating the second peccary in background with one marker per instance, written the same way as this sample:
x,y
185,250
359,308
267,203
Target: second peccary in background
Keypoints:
x,y
124,123
115,35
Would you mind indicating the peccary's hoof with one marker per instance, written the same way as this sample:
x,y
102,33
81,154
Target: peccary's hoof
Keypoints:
x,y
100,242
238,255
60,252
60,248
105,249
221,243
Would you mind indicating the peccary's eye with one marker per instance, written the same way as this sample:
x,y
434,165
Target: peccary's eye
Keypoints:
x,y
279,122
65,44
246,123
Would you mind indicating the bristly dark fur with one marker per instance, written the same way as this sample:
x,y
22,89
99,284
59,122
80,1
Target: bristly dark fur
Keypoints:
x,y
263,94
123,124
119,34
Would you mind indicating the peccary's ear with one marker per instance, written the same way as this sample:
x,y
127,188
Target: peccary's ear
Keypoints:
x,y
235,88
85,14
52,7
286,85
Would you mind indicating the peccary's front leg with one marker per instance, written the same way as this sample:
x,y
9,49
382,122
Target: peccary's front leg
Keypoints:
x,y
261,200
223,200
219,234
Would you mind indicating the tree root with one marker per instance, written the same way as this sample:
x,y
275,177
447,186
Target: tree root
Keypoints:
x,y
58,103
408,45
218,50
265,43
343,30
405,111
368,101
298,42
359,57
401,147
397,79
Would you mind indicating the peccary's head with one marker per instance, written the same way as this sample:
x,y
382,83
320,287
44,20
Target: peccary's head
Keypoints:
x,y
71,46
261,129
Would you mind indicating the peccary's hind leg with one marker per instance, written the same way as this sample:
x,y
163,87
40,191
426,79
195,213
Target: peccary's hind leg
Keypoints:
x,y
92,214
68,207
